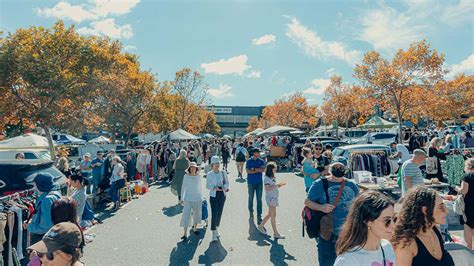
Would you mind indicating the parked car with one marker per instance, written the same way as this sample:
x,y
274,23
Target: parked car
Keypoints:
x,y
345,151
32,154
313,139
18,175
334,143
377,138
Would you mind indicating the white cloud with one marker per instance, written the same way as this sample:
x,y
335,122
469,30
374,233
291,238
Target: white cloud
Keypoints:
x,y
113,7
386,29
466,66
318,86
92,10
265,39
314,46
223,91
457,13
254,74
108,27
331,71
130,47
64,10
235,65
286,95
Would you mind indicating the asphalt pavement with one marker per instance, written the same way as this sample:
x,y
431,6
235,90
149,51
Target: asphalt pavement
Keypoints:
x,y
146,232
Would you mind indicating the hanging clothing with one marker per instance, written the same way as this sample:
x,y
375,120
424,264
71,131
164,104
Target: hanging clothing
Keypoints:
x,y
377,163
454,169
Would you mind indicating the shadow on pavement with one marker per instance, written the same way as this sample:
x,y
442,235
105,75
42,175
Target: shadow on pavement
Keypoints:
x,y
172,210
240,180
255,235
215,253
278,254
185,250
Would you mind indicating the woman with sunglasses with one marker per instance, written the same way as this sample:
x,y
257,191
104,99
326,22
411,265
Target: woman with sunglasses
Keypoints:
x,y
61,246
417,239
363,238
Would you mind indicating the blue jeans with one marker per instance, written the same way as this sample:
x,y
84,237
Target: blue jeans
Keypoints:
x,y
95,182
113,193
88,177
326,251
255,189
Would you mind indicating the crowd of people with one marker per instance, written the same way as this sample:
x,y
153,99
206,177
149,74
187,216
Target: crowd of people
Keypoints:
x,y
360,228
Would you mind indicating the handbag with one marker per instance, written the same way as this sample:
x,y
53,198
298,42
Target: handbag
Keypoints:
x,y
459,206
119,184
312,218
431,165
327,221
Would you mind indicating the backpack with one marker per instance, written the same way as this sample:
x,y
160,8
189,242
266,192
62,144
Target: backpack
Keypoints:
x,y
312,218
240,156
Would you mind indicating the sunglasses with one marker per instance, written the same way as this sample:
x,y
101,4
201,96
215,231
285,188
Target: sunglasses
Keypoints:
x,y
49,256
318,149
388,220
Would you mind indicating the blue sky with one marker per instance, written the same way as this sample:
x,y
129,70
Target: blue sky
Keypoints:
x,y
253,52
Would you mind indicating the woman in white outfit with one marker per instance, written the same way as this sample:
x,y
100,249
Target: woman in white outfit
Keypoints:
x,y
218,185
191,198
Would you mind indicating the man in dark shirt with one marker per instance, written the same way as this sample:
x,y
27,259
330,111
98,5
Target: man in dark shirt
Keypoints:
x,y
323,161
255,166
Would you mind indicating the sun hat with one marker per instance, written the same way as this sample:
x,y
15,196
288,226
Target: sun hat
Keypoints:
x,y
59,236
192,164
215,160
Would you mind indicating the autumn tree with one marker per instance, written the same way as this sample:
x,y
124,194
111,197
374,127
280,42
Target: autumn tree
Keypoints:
x,y
293,111
395,84
253,124
451,99
51,74
127,95
191,92
343,102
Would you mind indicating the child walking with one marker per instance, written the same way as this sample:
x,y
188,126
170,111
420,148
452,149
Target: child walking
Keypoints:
x,y
271,197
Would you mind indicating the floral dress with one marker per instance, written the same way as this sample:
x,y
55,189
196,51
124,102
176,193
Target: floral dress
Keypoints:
x,y
271,196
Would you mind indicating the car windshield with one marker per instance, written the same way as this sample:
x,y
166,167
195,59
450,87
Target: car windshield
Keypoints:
x,y
338,152
44,155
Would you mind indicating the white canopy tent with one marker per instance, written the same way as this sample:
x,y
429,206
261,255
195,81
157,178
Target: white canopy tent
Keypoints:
x,y
276,130
180,134
28,140
100,139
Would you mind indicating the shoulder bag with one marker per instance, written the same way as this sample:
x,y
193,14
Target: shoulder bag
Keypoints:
x,y
312,218
327,221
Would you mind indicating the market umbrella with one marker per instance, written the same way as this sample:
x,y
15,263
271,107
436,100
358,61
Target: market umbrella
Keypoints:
x,y
68,139
296,132
276,130
25,141
378,122
207,136
226,137
100,139
180,135
255,132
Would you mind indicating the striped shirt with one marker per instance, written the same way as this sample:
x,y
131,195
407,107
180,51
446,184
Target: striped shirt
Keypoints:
x,y
412,170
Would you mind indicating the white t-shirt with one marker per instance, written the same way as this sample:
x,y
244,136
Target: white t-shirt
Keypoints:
x,y
364,257
405,153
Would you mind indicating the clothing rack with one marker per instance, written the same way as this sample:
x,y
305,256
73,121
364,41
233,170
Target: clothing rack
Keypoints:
x,y
26,192
362,151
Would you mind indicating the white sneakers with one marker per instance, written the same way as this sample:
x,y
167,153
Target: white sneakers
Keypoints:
x,y
217,232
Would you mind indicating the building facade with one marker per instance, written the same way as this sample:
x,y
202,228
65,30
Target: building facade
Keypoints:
x,y
234,120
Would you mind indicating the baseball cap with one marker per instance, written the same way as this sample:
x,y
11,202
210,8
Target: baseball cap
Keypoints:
x,y
256,150
59,236
215,160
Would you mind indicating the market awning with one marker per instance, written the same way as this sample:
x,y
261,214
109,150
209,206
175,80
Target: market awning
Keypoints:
x,y
378,122
100,139
276,130
180,134
68,139
29,140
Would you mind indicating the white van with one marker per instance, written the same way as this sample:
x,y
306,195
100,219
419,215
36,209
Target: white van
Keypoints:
x,y
35,154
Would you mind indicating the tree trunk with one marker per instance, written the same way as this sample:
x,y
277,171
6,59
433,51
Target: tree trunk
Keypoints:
x,y
47,130
129,133
400,137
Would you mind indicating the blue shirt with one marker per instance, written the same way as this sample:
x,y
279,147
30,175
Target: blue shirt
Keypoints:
x,y
256,178
316,194
309,170
97,170
41,221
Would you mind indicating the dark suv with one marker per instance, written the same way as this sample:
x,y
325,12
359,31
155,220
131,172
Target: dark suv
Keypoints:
x,y
16,176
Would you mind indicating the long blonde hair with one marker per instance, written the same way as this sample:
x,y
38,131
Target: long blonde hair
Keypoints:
x,y
435,142
182,154
469,165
